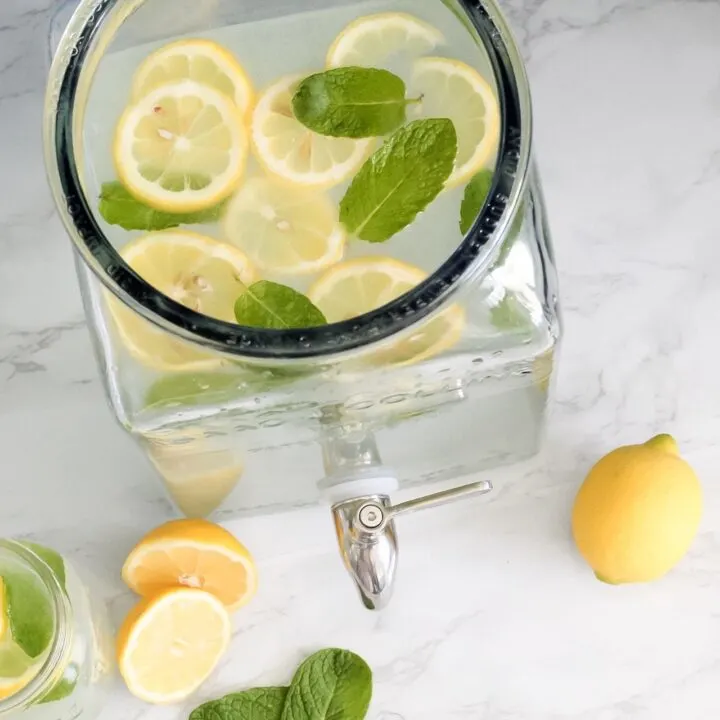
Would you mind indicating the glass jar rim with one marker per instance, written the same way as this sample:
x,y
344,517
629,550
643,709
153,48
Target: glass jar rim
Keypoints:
x,y
472,258
61,643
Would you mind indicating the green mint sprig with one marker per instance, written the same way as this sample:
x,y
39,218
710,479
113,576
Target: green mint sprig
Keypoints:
x,y
352,102
400,180
119,207
267,304
332,684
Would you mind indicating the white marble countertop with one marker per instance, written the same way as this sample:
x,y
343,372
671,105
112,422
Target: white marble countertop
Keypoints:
x,y
495,617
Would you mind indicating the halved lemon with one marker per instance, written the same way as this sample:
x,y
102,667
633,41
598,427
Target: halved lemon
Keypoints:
x,y
287,149
359,286
182,148
369,41
203,61
283,228
197,271
170,643
451,89
192,553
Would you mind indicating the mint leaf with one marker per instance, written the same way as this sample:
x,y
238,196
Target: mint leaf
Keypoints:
x,y
204,388
29,611
119,207
64,687
475,195
257,704
352,102
267,304
509,314
330,685
52,559
400,180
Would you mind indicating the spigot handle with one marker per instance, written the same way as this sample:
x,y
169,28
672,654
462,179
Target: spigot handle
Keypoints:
x,y
441,498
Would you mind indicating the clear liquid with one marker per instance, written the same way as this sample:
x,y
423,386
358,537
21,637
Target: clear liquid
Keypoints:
x,y
494,377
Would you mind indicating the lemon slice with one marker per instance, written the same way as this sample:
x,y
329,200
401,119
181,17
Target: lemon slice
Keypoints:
x,y
285,229
181,148
359,286
292,152
194,553
203,61
197,271
170,643
452,89
369,41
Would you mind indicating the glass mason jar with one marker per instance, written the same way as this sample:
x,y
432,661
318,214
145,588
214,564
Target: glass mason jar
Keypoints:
x,y
256,418
68,678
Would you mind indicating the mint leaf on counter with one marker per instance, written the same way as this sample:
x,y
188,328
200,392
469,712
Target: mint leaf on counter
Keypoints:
x,y
267,304
257,704
353,102
119,207
330,685
400,180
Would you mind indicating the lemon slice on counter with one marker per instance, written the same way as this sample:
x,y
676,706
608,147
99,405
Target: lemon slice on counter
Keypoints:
x,y
203,61
181,148
193,553
285,229
369,41
290,151
169,644
197,271
359,286
451,89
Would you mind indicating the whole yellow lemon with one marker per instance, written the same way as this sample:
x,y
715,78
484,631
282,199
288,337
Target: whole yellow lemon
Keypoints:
x,y
637,512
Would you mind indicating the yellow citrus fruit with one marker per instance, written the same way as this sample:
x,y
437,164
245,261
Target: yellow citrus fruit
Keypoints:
x,y
637,512
170,643
203,61
192,553
285,229
359,286
369,41
181,148
451,89
197,271
287,149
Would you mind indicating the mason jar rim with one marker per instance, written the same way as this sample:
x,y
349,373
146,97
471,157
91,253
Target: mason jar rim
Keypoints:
x,y
471,259
61,642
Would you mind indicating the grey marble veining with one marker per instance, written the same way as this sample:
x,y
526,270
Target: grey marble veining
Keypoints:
x,y
627,103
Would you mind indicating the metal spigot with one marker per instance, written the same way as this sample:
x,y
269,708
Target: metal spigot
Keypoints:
x,y
367,536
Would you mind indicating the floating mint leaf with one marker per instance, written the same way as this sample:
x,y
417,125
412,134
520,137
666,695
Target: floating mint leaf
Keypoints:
x,y
475,195
206,388
64,687
352,102
330,685
29,611
257,704
52,559
119,207
400,180
509,314
267,304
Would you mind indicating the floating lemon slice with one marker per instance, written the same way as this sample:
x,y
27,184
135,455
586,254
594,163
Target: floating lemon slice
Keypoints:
x,y
451,89
169,644
181,148
203,61
192,553
292,152
369,41
285,229
197,271
359,286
